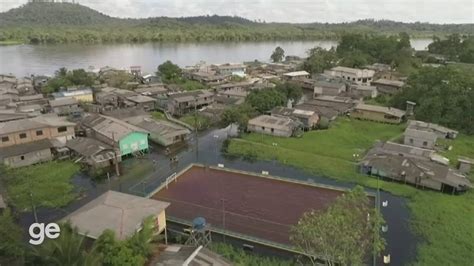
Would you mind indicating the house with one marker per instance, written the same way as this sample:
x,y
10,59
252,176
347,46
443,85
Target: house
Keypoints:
x,y
65,106
420,138
153,90
84,95
363,91
107,98
297,75
354,75
328,88
24,86
309,119
378,113
440,131
231,69
23,131
387,86
38,99
162,132
26,154
117,133
11,115
416,168
328,106
273,125
143,102
182,103
122,213
93,153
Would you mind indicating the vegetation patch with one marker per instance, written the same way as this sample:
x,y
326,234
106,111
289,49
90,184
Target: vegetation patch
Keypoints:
x,y
441,220
198,121
44,185
240,257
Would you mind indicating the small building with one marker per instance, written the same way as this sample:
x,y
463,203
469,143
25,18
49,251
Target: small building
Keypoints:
x,y
354,75
117,133
153,90
273,125
363,91
420,138
23,131
328,88
442,132
297,75
231,69
417,171
122,213
162,132
84,95
309,119
378,113
38,99
387,86
26,154
144,102
93,153
65,106
182,103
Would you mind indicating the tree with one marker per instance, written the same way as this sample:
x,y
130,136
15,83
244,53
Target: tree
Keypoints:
x,y
239,115
292,91
68,249
115,252
11,244
319,59
443,95
278,55
266,99
343,234
169,72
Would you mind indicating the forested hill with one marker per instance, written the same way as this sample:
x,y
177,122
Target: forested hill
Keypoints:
x,y
67,22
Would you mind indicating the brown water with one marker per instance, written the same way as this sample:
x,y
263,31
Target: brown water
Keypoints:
x,y
24,60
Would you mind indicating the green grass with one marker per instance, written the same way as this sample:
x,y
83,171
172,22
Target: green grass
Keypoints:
x,y
241,258
49,184
10,42
197,121
445,222
158,115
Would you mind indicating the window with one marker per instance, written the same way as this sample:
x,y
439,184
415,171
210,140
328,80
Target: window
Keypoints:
x,y
62,129
411,141
273,130
23,136
5,139
263,128
39,132
425,143
22,158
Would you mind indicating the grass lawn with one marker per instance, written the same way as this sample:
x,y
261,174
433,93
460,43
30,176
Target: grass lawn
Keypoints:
x,y
10,43
197,121
158,115
49,184
445,222
241,258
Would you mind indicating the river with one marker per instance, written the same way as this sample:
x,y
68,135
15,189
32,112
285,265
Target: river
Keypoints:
x,y
24,60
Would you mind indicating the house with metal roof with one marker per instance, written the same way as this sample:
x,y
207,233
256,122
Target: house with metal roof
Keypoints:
x,y
93,153
309,119
65,106
411,165
117,133
442,132
26,154
420,138
273,125
122,213
388,86
378,113
182,103
331,88
354,75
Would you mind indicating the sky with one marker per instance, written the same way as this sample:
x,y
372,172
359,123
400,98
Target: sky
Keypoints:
x,y
298,11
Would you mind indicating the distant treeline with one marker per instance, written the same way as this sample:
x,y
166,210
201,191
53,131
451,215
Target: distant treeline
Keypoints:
x,y
65,22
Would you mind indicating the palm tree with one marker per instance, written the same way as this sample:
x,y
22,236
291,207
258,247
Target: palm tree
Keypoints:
x,y
68,249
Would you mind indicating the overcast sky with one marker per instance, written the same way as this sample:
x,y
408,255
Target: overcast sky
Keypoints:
x,y
435,11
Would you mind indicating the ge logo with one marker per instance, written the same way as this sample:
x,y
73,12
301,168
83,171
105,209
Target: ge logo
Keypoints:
x,y
38,231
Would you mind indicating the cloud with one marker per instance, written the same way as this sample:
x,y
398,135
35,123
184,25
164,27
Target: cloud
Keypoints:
x,y
436,11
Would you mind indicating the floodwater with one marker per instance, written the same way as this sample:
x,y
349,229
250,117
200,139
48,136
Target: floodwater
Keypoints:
x,y
401,241
24,60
